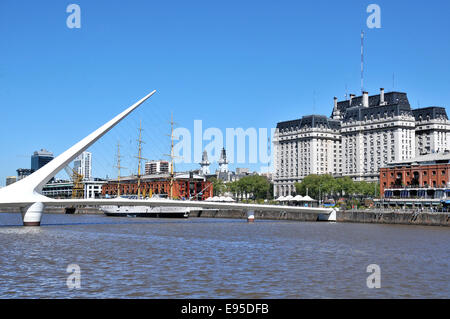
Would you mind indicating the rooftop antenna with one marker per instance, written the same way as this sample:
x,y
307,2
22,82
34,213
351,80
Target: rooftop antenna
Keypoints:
x,y
346,91
362,61
314,101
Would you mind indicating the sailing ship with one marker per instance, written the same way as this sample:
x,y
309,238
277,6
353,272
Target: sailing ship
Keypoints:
x,y
146,211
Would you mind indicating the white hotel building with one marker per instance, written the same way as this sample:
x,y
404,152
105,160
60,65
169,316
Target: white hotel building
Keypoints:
x,y
83,165
362,135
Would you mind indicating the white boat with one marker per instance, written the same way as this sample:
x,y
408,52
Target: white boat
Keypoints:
x,y
145,211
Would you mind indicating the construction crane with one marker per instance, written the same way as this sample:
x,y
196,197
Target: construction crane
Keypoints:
x,y
77,179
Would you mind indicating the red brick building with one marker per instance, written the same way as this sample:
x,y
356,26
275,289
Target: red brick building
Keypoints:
x,y
185,186
423,180
429,171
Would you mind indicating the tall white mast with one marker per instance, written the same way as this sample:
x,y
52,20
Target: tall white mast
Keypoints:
x,y
362,61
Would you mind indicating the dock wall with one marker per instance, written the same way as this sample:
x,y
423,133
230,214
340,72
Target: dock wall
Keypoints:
x,y
238,214
348,216
398,217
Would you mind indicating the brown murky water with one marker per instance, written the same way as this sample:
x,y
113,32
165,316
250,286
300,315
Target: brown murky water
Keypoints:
x,y
218,258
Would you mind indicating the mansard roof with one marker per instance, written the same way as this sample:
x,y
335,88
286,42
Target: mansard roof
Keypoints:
x,y
310,121
390,98
395,103
362,113
431,112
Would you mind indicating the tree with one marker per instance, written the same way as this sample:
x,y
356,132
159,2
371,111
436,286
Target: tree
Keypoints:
x,y
255,186
218,186
233,188
316,186
326,186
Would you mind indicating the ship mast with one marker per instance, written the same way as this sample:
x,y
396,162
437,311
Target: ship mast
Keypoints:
x,y
118,169
139,157
171,156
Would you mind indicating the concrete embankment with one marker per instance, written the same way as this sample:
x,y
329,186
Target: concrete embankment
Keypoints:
x,y
397,217
58,210
348,216
238,214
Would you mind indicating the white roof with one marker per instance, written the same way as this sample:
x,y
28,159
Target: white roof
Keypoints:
x,y
444,156
308,199
229,199
186,176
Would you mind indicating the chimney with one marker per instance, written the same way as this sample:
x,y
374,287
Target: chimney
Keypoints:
x,y
365,99
335,103
351,98
382,96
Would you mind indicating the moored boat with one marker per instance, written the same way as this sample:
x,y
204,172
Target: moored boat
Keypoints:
x,y
145,211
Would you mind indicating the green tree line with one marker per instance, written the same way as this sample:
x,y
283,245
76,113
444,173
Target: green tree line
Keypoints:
x,y
257,187
254,187
327,186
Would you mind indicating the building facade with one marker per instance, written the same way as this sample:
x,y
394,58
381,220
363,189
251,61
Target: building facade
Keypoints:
x,y
10,180
93,188
58,189
432,130
157,167
40,158
23,172
185,185
83,165
363,134
64,189
421,181
375,130
311,145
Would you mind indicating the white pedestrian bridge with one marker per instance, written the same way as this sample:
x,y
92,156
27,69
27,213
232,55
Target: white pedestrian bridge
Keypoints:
x,y
26,193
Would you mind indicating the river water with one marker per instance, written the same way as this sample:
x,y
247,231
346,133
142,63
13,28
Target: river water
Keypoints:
x,y
219,258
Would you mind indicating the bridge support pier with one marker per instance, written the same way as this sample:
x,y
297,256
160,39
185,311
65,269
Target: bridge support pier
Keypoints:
x,y
32,215
331,217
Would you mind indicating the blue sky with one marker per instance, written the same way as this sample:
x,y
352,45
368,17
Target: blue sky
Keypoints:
x,y
230,64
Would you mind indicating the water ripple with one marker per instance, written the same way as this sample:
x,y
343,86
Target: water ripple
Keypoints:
x,y
217,258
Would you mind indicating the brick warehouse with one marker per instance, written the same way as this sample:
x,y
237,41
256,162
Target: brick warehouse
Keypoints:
x,y
423,177
185,186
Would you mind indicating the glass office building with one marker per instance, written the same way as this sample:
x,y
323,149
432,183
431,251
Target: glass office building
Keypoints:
x,y
40,158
